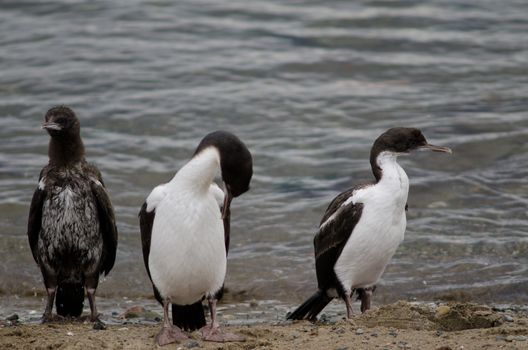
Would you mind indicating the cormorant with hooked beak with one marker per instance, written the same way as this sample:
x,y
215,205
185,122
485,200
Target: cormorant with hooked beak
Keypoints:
x,y
71,226
183,235
363,226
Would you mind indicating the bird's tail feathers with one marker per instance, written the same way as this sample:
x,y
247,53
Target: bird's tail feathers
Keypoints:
x,y
69,299
188,317
311,307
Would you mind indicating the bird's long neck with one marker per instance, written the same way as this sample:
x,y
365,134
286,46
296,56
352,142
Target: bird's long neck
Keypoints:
x,y
198,174
66,150
392,178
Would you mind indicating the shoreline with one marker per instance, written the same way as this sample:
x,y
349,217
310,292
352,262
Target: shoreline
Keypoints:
x,y
401,325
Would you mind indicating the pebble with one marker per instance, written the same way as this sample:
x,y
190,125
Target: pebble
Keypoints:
x,y
442,310
374,335
99,326
134,312
69,334
343,348
439,333
359,331
13,317
507,318
521,338
393,333
192,344
404,345
340,331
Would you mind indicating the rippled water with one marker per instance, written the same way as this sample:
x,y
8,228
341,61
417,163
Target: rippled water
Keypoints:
x,y
308,85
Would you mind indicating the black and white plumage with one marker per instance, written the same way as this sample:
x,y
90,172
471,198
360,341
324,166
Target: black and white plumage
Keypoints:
x,y
71,226
185,233
363,226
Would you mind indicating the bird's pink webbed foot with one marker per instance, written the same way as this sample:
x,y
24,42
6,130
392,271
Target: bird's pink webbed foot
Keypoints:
x,y
215,333
169,335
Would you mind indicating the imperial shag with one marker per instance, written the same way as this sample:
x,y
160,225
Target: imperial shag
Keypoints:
x,y
363,226
184,233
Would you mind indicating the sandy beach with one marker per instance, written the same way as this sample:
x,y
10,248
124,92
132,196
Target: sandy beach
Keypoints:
x,y
401,325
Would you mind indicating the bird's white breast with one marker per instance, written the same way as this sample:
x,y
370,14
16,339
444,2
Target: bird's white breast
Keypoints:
x,y
379,230
187,255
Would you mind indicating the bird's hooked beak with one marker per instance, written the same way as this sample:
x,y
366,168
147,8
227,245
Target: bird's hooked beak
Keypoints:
x,y
51,126
437,148
227,203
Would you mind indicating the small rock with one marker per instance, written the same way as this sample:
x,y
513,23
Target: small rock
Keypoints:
x,y
13,317
500,337
403,345
509,338
134,312
439,333
70,334
359,331
521,338
340,331
445,347
99,326
253,303
393,333
192,344
442,310
375,335
343,348
507,318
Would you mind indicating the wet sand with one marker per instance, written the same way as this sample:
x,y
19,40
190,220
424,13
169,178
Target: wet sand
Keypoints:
x,y
400,325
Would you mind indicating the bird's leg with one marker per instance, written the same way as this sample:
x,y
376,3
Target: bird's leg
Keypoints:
x,y
214,332
50,282
348,303
47,317
94,316
366,297
169,333
90,283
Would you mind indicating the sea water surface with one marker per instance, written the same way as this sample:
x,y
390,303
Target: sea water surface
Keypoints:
x,y
308,85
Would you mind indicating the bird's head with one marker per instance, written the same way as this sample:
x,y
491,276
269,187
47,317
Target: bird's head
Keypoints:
x,y
236,163
404,140
61,122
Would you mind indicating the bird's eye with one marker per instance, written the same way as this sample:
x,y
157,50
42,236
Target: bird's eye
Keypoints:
x,y
60,120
